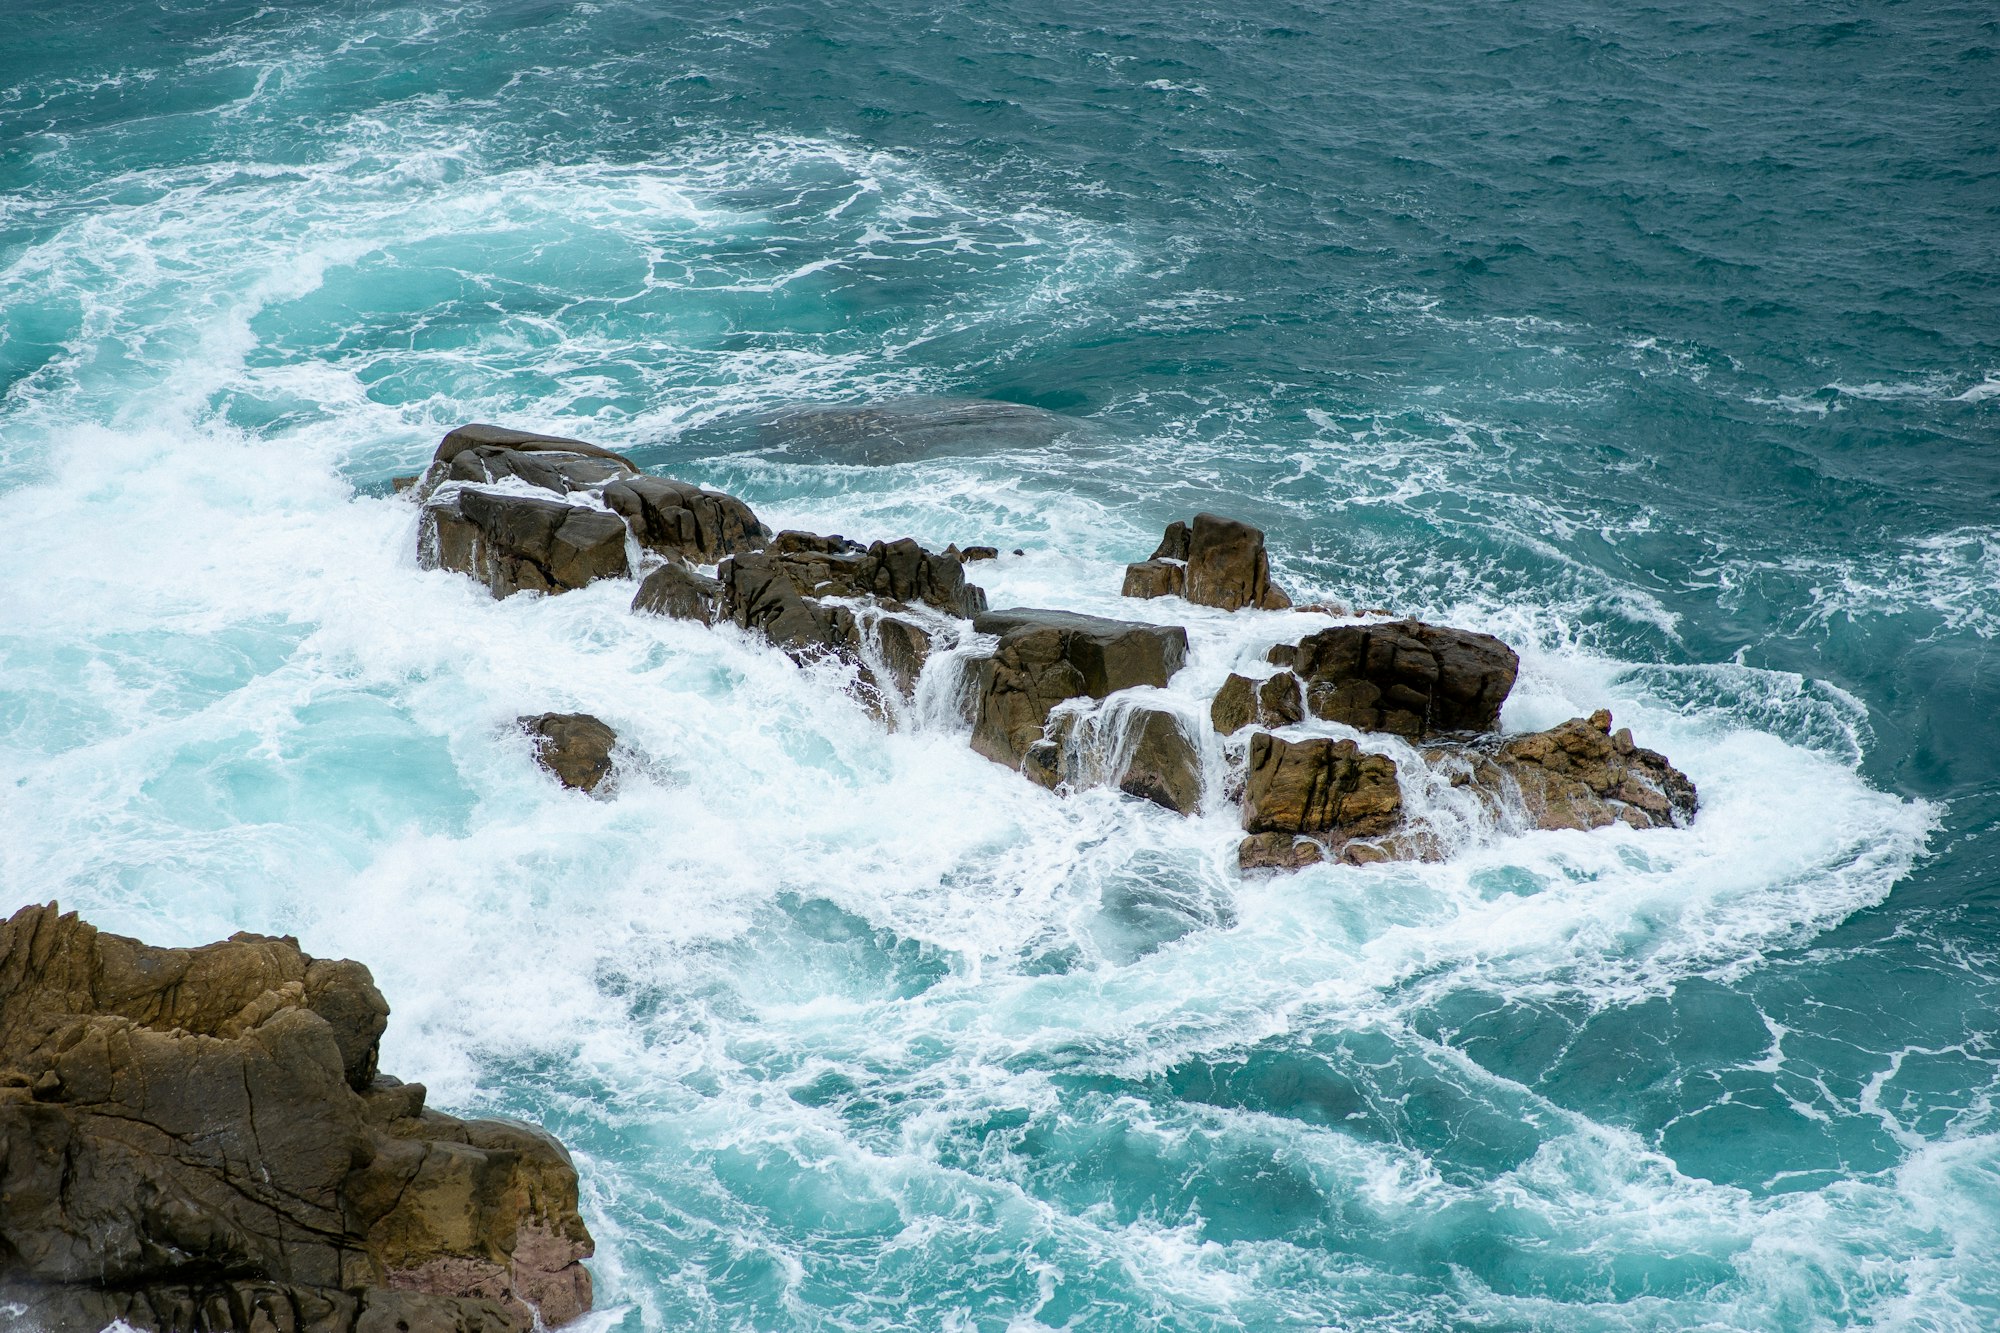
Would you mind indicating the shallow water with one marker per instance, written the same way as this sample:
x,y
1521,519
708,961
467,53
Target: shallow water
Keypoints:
x,y
1662,344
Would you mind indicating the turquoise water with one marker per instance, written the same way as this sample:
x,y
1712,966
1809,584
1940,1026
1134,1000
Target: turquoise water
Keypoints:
x,y
1664,343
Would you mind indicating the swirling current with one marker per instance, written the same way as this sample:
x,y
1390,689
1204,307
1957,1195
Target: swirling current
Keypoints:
x,y
1663,342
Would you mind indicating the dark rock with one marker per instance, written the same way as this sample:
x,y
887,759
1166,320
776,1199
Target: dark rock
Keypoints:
x,y
547,470
972,554
1274,702
195,1139
1045,657
1162,765
1282,654
1214,562
1582,775
481,436
516,543
677,590
898,571
677,518
576,747
1319,786
761,593
904,647
1406,677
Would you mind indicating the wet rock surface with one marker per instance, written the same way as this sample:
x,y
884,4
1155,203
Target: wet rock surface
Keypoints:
x,y
1319,785
575,747
1162,763
1405,677
676,518
1583,775
519,543
198,1139
680,592
1046,657
1275,701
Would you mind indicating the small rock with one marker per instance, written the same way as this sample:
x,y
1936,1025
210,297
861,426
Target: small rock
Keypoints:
x,y
517,543
1155,578
681,592
576,747
975,553
1273,702
1164,766
1277,852
1213,562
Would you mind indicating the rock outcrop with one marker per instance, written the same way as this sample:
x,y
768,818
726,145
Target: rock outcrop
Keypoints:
x,y
485,454
1214,562
1329,789
897,571
1580,775
575,747
520,543
198,1141
760,593
1405,677
1046,657
675,518
1275,701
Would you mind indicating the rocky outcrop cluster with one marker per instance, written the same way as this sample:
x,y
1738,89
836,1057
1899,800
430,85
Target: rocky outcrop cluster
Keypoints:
x,y
1068,700
199,1141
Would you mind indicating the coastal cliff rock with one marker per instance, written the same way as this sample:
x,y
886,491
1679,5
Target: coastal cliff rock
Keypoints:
x,y
1214,561
198,1141
1582,775
1405,677
575,747
1046,657
676,518
520,543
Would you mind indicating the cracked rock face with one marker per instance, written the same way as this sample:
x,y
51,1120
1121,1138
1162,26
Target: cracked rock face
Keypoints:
x,y
1046,657
1405,677
520,543
197,1141
1581,775
675,518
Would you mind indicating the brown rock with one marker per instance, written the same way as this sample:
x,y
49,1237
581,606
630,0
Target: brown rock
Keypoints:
x,y
1273,702
576,747
1234,706
1162,765
1319,786
898,571
1581,775
516,543
1277,852
1407,678
1045,657
971,554
676,518
1155,578
183,1146
1227,566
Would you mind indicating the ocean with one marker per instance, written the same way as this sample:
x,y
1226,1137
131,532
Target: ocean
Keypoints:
x,y
1661,341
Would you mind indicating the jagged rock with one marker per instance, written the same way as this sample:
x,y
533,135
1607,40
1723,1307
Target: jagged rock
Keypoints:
x,y
515,543
1045,657
1215,561
1162,764
904,647
197,1139
681,592
1582,775
1406,677
898,571
760,593
1273,702
576,747
1319,785
680,519
1277,852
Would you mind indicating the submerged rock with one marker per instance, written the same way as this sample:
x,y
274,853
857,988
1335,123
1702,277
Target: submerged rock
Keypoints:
x,y
907,429
1214,561
519,543
576,747
681,592
198,1139
676,518
1406,677
1582,775
1046,657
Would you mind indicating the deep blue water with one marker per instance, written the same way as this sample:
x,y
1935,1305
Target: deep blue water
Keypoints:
x,y
1664,343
